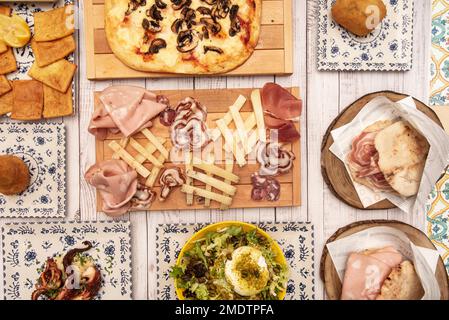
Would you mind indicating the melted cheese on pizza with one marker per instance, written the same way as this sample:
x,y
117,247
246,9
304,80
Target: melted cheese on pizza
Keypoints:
x,y
157,45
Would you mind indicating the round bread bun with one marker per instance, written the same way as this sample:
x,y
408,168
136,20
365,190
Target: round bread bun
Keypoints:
x,y
14,175
360,17
403,283
402,156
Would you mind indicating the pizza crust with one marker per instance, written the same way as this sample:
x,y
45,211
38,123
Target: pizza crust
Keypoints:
x,y
125,36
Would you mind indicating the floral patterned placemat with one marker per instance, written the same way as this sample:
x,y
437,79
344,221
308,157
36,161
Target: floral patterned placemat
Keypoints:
x,y
388,48
437,222
26,246
42,147
296,240
439,66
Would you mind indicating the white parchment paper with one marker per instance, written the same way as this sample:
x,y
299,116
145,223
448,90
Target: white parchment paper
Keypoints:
x,y
425,260
381,108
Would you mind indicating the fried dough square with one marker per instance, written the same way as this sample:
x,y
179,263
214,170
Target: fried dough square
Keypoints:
x,y
57,104
51,51
5,10
28,100
3,47
54,24
4,85
7,62
57,75
6,102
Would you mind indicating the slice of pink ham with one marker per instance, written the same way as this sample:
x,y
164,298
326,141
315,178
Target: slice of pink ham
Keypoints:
x,y
129,108
281,109
117,184
366,272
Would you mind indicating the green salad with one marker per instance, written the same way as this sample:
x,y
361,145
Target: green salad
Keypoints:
x,y
231,264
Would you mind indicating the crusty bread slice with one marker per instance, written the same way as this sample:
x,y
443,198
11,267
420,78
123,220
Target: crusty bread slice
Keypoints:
x,y
403,283
402,155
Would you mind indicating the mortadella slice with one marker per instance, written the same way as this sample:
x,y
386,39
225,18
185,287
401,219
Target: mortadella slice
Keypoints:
x,y
117,184
125,108
366,272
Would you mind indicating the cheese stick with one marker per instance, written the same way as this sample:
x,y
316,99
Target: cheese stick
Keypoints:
x,y
258,111
125,156
217,184
211,160
190,190
147,133
238,104
123,143
215,170
151,149
154,173
189,181
229,139
240,128
229,167
148,155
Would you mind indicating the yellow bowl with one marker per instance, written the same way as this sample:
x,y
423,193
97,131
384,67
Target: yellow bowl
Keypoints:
x,y
280,258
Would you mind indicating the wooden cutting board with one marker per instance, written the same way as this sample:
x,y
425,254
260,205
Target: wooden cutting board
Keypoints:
x,y
333,169
329,274
217,103
273,54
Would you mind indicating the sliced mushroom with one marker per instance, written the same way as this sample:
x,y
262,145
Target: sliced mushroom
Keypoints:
x,y
151,25
210,2
187,41
221,9
161,4
177,25
204,11
274,160
212,48
154,13
211,25
170,178
235,22
156,45
179,4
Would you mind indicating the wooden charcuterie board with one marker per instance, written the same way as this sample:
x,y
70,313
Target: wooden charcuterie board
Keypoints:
x,y
333,169
273,54
329,274
217,103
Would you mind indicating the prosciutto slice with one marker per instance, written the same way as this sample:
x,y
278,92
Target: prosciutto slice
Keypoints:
x,y
366,272
363,162
117,184
281,110
127,109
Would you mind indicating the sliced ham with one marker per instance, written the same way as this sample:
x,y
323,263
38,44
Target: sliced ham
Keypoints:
x,y
117,184
366,272
281,110
125,108
280,103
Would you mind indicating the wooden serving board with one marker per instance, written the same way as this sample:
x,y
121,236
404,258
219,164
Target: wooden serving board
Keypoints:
x,y
333,169
329,274
273,54
217,103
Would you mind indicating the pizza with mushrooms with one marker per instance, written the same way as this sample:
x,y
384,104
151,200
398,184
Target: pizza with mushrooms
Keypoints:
x,y
183,36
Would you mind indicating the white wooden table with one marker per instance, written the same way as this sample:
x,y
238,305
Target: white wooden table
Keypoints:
x,y
325,94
